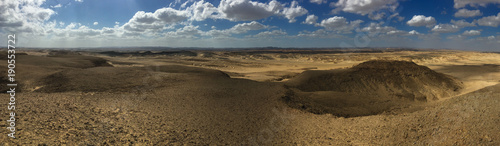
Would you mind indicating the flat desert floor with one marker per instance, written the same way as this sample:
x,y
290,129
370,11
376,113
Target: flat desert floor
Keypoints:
x,y
256,97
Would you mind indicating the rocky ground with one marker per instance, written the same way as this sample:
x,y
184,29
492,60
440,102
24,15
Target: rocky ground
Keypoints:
x,y
200,99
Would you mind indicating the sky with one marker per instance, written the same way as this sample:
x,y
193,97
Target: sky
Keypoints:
x,y
449,24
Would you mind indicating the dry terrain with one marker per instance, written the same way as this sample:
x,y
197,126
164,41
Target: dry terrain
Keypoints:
x,y
255,97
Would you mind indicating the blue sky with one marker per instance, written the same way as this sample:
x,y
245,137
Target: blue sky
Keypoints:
x,y
453,24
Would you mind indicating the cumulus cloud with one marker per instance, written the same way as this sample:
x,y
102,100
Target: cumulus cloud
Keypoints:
x,y
293,11
107,30
236,29
421,20
268,34
364,7
169,15
317,1
471,32
340,24
413,32
202,10
72,25
245,27
147,21
79,1
445,28
84,32
320,33
463,3
376,28
311,19
79,31
492,21
462,23
468,13
188,31
246,10
96,23
24,16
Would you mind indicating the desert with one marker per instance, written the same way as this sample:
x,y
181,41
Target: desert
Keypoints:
x,y
268,96
250,72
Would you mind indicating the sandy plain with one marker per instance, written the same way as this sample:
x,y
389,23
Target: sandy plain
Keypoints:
x,y
257,97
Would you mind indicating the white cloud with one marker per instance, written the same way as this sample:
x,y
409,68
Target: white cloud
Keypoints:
x,y
320,33
96,23
340,24
24,16
183,5
364,7
147,21
79,1
468,13
317,1
376,28
83,32
421,20
188,31
293,11
471,32
445,28
245,27
202,10
79,31
462,23
246,10
413,32
107,30
311,19
169,15
492,21
236,29
397,32
267,34
56,6
463,3
72,25
217,33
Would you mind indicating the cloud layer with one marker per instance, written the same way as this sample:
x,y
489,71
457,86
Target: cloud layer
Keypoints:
x,y
199,22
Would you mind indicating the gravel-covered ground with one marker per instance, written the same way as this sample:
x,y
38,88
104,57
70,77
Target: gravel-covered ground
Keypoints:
x,y
96,104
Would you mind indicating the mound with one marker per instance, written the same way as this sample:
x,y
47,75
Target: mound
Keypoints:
x,y
385,83
149,53
62,53
121,79
4,55
381,78
72,61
